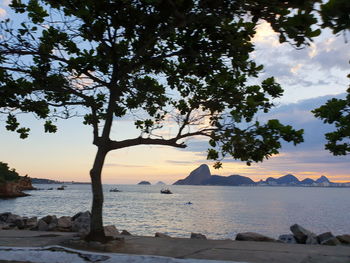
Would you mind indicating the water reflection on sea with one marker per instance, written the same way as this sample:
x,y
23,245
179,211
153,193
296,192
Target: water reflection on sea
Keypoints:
x,y
218,212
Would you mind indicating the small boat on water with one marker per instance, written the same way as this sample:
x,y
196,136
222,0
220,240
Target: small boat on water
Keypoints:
x,y
114,190
165,191
61,188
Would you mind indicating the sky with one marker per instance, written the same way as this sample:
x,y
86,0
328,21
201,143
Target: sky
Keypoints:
x,y
309,76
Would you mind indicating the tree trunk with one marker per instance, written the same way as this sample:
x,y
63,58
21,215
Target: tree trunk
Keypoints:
x,y
96,227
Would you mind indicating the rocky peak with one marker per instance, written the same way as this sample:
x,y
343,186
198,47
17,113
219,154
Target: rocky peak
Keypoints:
x,y
197,176
322,179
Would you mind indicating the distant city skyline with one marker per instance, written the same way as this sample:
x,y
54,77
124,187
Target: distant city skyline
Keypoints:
x,y
309,76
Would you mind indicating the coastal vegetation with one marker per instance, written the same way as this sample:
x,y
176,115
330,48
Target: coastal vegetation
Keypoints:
x,y
185,61
7,174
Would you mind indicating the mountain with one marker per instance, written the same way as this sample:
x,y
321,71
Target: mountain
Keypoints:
x,y
144,183
307,181
196,177
232,180
287,179
160,183
202,176
322,179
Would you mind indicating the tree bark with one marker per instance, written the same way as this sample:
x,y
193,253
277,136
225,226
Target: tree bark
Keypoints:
x,y
96,227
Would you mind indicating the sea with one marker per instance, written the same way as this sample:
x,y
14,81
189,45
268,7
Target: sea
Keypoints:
x,y
219,212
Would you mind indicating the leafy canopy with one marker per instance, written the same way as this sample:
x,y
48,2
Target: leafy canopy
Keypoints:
x,y
337,112
184,62
7,174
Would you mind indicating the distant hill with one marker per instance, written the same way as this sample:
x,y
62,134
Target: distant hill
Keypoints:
x,y
160,183
322,179
196,177
44,181
49,181
202,176
144,183
233,180
287,179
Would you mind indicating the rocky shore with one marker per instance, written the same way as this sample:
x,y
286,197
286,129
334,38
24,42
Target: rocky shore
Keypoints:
x,y
80,223
14,189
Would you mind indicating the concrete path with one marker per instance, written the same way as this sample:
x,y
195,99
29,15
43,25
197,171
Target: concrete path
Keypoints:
x,y
181,248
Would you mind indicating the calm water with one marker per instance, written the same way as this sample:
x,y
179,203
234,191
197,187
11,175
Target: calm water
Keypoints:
x,y
218,212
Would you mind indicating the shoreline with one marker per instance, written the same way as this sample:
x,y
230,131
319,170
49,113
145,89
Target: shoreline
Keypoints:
x,y
154,249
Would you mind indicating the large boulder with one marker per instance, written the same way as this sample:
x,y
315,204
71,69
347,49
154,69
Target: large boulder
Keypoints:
x,y
303,236
198,236
288,238
64,223
111,231
251,236
51,221
9,217
328,239
42,225
344,239
31,222
81,222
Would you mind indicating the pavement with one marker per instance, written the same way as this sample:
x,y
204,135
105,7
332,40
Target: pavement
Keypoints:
x,y
181,249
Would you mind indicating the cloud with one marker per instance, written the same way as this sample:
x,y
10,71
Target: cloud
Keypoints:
x,y
309,156
5,2
3,13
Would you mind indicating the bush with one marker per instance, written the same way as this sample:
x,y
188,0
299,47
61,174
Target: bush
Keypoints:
x,y
7,174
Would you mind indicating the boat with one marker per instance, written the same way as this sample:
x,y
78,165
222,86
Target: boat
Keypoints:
x,y
61,188
114,190
165,191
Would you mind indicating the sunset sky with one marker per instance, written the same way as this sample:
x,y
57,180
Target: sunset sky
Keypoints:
x,y
309,77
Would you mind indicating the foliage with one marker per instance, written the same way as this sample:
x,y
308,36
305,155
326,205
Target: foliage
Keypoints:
x,y
7,174
186,63
190,63
337,112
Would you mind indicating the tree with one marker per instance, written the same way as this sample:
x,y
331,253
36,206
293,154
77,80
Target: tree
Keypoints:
x,y
7,174
337,112
336,15
180,61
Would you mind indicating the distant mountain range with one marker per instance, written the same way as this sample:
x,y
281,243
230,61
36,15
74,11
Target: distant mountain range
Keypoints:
x,y
49,181
202,176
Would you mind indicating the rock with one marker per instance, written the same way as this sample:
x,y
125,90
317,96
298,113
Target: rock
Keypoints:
x,y
289,239
111,231
9,217
344,239
198,236
25,183
251,236
64,223
158,234
11,190
31,222
125,233
51,221
81,222
42,225
19,223
4,226
302,235
328,239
